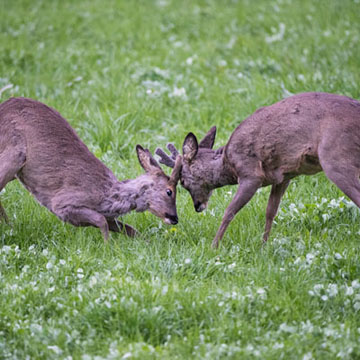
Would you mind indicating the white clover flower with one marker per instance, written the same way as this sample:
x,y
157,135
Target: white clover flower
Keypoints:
x,y
80,273
349,291
332,290
262,293
189,61
55,349
307,356
287,328
178,92
93,281
318,288
187,261
164,290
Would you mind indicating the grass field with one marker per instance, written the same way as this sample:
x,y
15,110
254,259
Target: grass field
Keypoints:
x,y
128,72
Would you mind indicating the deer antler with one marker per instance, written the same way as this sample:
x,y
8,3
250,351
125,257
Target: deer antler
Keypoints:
x,y
165,158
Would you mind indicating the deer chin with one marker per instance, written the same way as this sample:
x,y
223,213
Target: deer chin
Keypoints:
x,y
167,221
201,207
171,219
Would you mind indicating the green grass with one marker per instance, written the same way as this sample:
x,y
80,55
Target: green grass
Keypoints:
x,y
114,70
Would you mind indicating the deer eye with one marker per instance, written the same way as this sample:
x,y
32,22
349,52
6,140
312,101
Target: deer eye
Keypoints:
x,y
169,192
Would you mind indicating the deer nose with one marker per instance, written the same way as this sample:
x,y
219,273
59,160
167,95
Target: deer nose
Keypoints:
x,y
173,218
198,207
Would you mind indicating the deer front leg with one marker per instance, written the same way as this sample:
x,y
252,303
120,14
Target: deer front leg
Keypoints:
x,y
277,192
11,161
84,217
3,214
118,226
246,190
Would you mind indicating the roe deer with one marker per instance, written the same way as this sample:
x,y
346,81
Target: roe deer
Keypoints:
x,y
41,149
302,134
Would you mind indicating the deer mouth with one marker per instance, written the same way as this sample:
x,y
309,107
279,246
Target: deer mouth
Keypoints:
x,y
199,207
171,219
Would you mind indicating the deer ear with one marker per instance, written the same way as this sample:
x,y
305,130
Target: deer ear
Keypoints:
x,y
190,147
209,139
148,163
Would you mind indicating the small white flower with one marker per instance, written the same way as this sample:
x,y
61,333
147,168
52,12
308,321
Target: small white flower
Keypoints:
x,y
189,61
80,273
349,291
62,262
301,77
324,298
55,349
49,265
93,281
164,290
178,92
332,290
337,256
187,261
307,356
127,355
221,303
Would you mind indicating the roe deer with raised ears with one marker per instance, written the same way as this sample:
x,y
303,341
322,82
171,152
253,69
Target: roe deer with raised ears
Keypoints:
x,y
302,134
40,149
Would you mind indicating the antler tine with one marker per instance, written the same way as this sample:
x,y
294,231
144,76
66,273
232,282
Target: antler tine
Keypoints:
x,y
173,150
165,158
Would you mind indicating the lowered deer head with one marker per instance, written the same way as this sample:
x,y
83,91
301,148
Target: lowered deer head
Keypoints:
x,y
159,190
202,169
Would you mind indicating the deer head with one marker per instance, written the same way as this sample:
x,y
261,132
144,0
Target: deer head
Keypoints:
x,y
159,195
201,166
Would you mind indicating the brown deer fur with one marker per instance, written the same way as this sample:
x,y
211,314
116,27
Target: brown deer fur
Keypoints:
x,y
41,150
302,134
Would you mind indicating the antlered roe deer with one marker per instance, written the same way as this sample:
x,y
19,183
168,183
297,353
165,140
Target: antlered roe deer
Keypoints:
x,y
40,149
302,134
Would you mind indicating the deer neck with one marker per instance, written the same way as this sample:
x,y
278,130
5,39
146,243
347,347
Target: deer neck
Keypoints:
x,y
126,196
222,173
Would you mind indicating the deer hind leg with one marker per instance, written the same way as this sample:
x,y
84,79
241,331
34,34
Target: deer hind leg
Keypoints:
x,y
347,180
11,161
246,190
118,226
83,217
277,192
